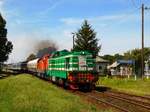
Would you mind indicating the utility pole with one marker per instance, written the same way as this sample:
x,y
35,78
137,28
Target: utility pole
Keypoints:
x,y
142,50
73,39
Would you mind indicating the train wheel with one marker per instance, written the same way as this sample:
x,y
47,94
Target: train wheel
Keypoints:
x,y
93,86
50,78
38,74
53,79
65,84
60,82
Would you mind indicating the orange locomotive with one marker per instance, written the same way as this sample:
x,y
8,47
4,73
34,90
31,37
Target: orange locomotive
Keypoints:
x,y
42,65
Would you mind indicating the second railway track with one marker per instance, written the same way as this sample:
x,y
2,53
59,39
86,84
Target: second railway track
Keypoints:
x,y
134,99
120,102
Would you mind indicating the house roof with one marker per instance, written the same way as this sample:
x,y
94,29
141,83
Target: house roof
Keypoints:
x,y
101,60
118,62
115,64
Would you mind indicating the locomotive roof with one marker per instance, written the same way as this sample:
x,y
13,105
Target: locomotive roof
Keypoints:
x,y
67,53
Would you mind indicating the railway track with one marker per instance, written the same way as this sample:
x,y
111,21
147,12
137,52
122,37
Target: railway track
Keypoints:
x,y
137,100
137,103
121,103
130,95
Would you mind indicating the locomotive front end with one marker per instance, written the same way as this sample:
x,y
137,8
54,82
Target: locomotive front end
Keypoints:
x,y
82,73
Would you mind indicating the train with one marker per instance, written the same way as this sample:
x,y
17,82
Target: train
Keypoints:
x,y
75,70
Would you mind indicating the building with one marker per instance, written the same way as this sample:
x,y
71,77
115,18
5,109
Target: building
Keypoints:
x,y
101,65
122,67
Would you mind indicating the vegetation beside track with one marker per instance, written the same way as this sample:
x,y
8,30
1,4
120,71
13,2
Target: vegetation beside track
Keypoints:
x,y
26,93
138,87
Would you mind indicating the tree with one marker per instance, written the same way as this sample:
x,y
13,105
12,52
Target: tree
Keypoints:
x,y
31,57
109,57
86,39
135,54
118,56
5,45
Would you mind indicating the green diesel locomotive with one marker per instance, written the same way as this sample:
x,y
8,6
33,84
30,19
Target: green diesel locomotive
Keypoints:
x,y
72,69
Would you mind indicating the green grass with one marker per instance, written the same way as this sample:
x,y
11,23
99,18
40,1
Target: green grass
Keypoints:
x,y
139,86
25,93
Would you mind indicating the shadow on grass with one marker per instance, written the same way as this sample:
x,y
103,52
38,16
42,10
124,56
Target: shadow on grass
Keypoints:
x,y
99,89
102,89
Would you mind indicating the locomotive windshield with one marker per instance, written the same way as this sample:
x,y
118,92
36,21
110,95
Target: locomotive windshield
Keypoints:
x,y
82,63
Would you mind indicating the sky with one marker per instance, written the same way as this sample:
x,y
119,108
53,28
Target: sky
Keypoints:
x,y
117,23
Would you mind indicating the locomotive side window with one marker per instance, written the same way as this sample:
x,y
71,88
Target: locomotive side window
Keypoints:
x,y
67,63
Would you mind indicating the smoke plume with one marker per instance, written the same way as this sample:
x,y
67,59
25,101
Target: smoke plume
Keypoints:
x,y
43,47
